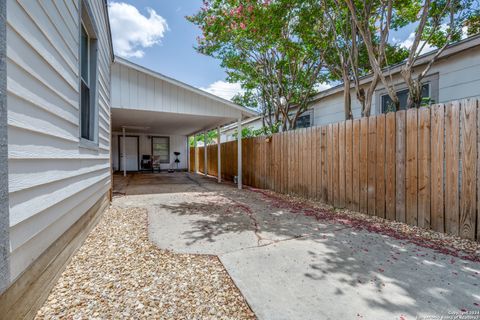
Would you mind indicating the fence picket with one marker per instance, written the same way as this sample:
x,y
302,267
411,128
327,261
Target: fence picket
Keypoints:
x,y
356,166
372,162
469,169
348,163
400,166
324,164
411,167
363,170
380,167
341,164
424,167
452,149
336,159
330,162
390,169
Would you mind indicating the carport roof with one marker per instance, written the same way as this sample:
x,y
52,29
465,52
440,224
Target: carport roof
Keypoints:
x,y
144,98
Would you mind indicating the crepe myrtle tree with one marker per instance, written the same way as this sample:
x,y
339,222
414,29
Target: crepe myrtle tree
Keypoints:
x,y
441,22
438,23
264,46
343,51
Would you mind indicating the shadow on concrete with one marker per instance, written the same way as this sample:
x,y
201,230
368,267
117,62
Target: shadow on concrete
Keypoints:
x,y
384,273
153,183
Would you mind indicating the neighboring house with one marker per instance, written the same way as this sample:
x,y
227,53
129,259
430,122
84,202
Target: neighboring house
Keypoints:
x,y
228,132
60,101
455,76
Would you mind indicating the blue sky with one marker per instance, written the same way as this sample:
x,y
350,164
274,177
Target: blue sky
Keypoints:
x,y
155,34
169,51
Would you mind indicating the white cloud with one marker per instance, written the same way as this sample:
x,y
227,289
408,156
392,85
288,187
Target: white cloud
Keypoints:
x,y
407,43
223,89
132,31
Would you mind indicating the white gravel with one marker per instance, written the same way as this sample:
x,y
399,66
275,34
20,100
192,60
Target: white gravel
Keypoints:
x,y
119,274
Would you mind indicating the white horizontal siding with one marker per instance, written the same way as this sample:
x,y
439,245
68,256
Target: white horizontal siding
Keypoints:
x,y
28,251
53,180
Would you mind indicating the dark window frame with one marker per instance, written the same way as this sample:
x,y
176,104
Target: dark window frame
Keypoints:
x,y
88,107
168,142
309,114
385,97
432,80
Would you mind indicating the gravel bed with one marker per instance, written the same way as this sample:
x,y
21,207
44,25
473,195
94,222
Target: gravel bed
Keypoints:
x,y
119,274
437,241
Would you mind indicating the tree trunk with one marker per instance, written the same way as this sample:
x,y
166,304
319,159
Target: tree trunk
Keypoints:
x,y
367,107
347,99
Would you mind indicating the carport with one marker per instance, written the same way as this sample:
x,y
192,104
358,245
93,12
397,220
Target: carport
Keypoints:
x,y
153,117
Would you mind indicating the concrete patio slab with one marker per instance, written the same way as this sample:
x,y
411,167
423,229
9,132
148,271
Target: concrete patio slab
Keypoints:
x,y
289,266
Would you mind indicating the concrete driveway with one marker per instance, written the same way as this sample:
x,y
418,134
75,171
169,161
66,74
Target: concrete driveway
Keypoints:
x,y
290,266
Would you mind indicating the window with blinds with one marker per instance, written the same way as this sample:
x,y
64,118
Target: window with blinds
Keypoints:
x,y
161,149
88,78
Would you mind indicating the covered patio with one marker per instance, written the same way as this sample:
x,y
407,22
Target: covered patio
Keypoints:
x,y
153,117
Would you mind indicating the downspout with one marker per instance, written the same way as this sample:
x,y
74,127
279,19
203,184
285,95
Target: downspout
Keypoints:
x,y
4,206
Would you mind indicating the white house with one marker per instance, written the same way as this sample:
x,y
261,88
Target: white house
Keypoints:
x,y
63,104
454,76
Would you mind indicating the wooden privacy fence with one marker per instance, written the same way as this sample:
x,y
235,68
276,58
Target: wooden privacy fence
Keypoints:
x,y
417,166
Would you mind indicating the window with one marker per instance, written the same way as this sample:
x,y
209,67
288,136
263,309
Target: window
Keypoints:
x,y
88,78
304,121
387,104
161,149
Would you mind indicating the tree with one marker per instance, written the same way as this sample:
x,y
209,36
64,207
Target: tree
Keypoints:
x,y
346,55
212,137
338,52
439,23
373,21
262,45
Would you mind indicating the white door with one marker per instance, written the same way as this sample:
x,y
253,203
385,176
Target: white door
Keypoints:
x,y
131,148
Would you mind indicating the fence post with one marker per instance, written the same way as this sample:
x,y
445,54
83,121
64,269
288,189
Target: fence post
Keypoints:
x,y
239,153
205,165
219,155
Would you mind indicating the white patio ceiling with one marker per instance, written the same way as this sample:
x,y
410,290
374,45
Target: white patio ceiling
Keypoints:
x,y
164,122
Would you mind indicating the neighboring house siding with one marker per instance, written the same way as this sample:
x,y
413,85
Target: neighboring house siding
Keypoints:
x,y
227,133
53,179
177,143
458,78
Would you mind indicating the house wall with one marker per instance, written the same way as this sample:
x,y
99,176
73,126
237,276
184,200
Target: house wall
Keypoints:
x,y
177,143
458,78
53,178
